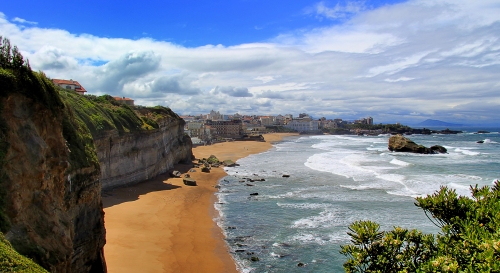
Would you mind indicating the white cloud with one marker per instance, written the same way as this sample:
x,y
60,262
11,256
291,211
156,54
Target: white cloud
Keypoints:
x,y
405,61
401,79
22,21
339,11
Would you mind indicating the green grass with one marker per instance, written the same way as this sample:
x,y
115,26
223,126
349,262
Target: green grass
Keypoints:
x,y
12,261
103,113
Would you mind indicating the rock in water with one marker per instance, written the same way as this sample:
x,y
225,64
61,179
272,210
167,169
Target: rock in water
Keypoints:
x,y
399,143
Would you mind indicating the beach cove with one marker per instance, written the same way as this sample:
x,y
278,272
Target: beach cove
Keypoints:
x,y
161,225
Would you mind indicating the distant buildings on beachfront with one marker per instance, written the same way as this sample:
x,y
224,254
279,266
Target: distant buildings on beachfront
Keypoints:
x,y
206,128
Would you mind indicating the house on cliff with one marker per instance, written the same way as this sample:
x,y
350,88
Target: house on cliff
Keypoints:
x,y
123,100
70,84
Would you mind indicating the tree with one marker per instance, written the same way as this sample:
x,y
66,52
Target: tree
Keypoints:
x,y
11,57
469,242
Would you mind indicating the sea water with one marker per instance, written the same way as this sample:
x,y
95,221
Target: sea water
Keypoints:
x,y
334,181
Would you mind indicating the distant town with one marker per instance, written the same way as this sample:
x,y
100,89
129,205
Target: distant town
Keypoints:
x,y
216,126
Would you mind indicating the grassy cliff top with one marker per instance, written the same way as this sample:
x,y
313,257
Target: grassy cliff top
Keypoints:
x,y
104,113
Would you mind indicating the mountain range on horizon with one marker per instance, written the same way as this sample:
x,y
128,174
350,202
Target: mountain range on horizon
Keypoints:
x,y
435,122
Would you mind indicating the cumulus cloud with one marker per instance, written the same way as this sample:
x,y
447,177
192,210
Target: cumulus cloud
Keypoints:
x,y
48,58
271,95
127,68
240,92
174,84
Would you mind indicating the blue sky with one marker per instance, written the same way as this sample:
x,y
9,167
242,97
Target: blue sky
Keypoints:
x,y
188,23
397,61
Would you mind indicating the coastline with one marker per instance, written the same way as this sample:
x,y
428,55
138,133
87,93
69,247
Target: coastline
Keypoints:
x,y
161,225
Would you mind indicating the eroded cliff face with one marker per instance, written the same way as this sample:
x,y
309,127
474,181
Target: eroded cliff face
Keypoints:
x,y
55,209
138,156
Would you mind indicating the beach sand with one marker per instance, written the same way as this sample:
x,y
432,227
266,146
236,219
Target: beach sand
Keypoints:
x,y
162,225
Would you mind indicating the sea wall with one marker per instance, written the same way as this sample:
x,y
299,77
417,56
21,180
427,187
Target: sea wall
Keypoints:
x,y
137,156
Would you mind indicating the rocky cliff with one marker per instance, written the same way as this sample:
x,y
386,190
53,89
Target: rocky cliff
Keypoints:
x,y
51,209
137,156
133,144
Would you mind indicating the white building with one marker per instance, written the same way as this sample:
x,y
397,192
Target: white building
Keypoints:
x,y
303,126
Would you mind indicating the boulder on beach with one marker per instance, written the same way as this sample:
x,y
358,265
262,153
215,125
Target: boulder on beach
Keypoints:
x,y
189,181
176,174
399,143
228,163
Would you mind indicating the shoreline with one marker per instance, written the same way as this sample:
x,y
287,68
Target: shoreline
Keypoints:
x,y
162,225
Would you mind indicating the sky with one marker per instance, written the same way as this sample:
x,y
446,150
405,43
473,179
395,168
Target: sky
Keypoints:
x,y
396,61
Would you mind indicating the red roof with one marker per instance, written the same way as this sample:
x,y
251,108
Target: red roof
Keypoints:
x,y
122,98
70,82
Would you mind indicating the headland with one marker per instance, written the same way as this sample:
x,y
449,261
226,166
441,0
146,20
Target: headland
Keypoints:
x,y
162,225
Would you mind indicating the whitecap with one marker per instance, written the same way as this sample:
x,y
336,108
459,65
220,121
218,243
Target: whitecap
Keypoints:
x,y
400,162
465,176
465,151
304,205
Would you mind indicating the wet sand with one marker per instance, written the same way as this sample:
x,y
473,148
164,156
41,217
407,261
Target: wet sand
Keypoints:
x,y
162,225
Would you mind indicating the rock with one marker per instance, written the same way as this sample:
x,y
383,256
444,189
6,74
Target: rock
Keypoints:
x,y
399,143
483,132
239,250
254,259
439,149
205,169
301,264
187,176
250,185
228,163
189,181
175,174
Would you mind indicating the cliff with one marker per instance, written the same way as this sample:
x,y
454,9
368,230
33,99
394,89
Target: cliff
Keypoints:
x,y
50,204
138,156
133,143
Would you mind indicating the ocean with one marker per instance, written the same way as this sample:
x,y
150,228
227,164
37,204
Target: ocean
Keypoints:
x,y
334,181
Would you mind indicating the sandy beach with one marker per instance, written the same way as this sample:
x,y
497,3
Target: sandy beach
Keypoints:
x,y
162,225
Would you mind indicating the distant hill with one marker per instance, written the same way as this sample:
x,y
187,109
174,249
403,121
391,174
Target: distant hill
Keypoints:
x,y
436,123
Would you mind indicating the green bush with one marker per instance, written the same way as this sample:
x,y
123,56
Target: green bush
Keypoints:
x,y
469,241
12,261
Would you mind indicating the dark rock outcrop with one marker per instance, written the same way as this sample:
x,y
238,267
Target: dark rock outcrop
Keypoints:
x,y
399,143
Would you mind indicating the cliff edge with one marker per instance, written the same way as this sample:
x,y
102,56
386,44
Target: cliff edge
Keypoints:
x,y
50,202
133,143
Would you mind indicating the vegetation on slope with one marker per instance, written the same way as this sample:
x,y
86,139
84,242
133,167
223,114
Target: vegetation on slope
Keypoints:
x,y
469,241
11,261
104,113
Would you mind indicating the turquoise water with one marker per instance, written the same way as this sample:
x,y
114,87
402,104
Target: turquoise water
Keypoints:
x,y
335,180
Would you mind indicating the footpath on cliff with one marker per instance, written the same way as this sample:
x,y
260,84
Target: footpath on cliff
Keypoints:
x,y
162,225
